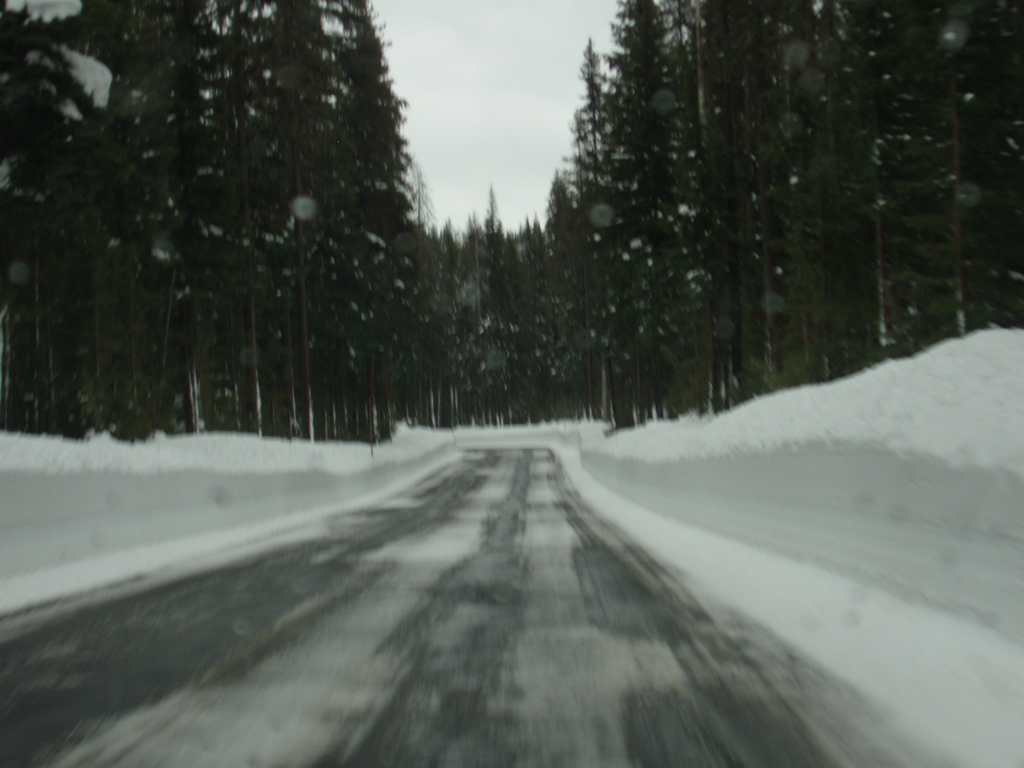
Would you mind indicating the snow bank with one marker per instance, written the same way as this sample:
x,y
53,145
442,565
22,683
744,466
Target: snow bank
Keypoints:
x,y
907,477
78,515
959,401
226,453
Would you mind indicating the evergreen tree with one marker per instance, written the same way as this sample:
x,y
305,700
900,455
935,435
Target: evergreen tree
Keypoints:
x,y
642,148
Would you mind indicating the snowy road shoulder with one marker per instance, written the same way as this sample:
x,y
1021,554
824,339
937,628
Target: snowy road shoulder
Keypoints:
x,y
85,525
955,687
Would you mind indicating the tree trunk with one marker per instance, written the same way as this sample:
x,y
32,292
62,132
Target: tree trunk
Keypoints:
x,y
373,402
590,346
4,366
307,391
701,109
241,117
771,301
605,400
713,385
290,372
254,367
884,337
958,240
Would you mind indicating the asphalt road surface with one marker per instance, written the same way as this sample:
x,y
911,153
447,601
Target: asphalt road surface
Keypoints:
x,y
487,618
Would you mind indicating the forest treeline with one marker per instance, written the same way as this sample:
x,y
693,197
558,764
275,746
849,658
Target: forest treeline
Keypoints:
x,y
760,194
220,246
768,193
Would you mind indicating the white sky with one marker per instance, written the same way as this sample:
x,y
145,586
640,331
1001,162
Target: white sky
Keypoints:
x,y
492,86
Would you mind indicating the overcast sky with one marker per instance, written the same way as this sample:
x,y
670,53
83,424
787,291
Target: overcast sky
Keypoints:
x,y
492,86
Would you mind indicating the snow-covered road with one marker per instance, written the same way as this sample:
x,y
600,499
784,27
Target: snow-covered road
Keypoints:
x,y
486,617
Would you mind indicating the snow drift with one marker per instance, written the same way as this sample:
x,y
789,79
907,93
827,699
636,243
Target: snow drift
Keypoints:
x,y
76,515
959,402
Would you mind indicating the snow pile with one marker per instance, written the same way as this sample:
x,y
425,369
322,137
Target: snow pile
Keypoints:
x,y
960,401
226,453
47,10
76,516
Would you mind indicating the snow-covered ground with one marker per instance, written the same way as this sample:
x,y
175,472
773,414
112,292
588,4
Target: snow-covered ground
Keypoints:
x,y
875,524
75,515
959,402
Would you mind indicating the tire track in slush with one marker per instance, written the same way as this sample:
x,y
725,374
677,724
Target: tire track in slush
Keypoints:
x,y
458,642
559,644
63,677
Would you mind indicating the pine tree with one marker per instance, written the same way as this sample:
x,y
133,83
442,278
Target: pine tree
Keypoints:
x,y
52,151
641,156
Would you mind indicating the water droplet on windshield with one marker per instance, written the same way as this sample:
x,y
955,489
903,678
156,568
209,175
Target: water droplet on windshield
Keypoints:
x,y
405,242
241,627
664,102
791,125
969,194
19,273
468,294
773,304
496,359
304,208
796,54
812,81
954,35
602,215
